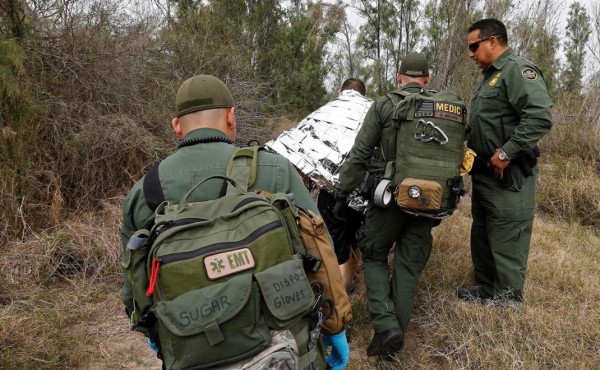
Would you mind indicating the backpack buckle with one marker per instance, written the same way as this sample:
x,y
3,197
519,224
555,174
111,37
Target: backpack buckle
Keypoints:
x,y
311,263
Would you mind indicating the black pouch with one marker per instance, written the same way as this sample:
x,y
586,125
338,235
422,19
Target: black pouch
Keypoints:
x,y
524,166
343,234
506,179
456,191
480,167
367,185
528,161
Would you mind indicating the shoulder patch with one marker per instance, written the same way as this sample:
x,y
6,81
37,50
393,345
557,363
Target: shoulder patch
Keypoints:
x,y
529,73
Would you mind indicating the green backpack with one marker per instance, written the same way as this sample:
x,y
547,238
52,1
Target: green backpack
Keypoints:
x,y
214,280
430,133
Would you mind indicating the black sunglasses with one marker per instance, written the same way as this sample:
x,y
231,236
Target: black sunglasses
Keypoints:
x,y
475,45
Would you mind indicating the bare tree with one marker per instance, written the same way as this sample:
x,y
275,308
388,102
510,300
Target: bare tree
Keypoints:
x,y
447,22
534,35
578,33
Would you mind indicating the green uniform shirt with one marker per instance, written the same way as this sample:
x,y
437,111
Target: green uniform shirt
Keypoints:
x,y
191,164
511,108
376,133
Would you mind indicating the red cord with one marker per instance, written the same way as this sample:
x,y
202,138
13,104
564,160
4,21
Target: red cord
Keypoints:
x,y
153,276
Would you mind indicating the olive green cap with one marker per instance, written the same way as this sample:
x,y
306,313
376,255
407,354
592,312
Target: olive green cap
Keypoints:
x,y
202,92
414,65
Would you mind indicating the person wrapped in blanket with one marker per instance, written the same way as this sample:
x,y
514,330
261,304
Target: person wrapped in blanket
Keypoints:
x,y
318,146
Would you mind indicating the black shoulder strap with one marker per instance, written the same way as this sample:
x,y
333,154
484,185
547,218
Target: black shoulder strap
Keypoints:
x,y
152,188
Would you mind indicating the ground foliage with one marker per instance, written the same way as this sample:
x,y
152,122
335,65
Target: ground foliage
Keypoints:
x,y
60,304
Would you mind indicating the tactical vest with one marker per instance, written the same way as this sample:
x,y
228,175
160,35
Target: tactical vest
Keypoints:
x,y
430,132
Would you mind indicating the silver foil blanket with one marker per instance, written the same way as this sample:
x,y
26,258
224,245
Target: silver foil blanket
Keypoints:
x,y
320,143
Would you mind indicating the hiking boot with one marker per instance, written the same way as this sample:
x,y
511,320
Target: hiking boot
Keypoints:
x,y
386,343
508,298
471,295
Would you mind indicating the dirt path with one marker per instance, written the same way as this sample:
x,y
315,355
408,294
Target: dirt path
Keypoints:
x,y
117,347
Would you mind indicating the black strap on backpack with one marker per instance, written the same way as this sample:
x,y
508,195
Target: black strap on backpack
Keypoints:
x,y
152,189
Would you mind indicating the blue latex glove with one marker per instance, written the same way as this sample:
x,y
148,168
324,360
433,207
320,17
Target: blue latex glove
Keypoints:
x,y
340,351
152,345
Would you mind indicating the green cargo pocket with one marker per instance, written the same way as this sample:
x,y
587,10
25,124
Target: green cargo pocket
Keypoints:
x,y
517,177
489,93
286,291
134,262
488,104
212,326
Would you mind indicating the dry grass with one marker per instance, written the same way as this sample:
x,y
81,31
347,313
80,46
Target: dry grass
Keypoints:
x,y
60,304
61,309
570,189
59,301
570,168
558,327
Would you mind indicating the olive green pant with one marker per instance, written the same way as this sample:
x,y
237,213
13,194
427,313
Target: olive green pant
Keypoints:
x,y
501,233
391,302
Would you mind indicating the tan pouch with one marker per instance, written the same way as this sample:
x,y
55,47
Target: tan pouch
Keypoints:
x,y
422,195
316,241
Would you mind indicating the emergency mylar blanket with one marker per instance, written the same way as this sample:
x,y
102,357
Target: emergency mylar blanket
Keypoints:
x,y
320,143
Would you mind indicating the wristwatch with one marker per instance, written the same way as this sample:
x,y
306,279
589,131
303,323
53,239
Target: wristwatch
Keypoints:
x,y
503,156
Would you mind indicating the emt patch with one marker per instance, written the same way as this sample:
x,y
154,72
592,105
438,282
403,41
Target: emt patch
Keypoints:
x,y
228,263
529,74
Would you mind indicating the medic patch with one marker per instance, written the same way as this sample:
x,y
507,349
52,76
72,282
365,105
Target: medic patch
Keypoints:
x,y
228,263
529,74
451,111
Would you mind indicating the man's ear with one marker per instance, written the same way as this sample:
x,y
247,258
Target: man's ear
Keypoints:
x,y
494,43
176,123
399,78
231,124
426,79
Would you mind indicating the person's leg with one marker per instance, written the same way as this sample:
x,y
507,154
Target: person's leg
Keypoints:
x,y
510,245
382,227
381,230
510,230
349,269
412,253
481,254
355,224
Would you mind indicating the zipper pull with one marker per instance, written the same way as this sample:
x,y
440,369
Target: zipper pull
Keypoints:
x,y
153,276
